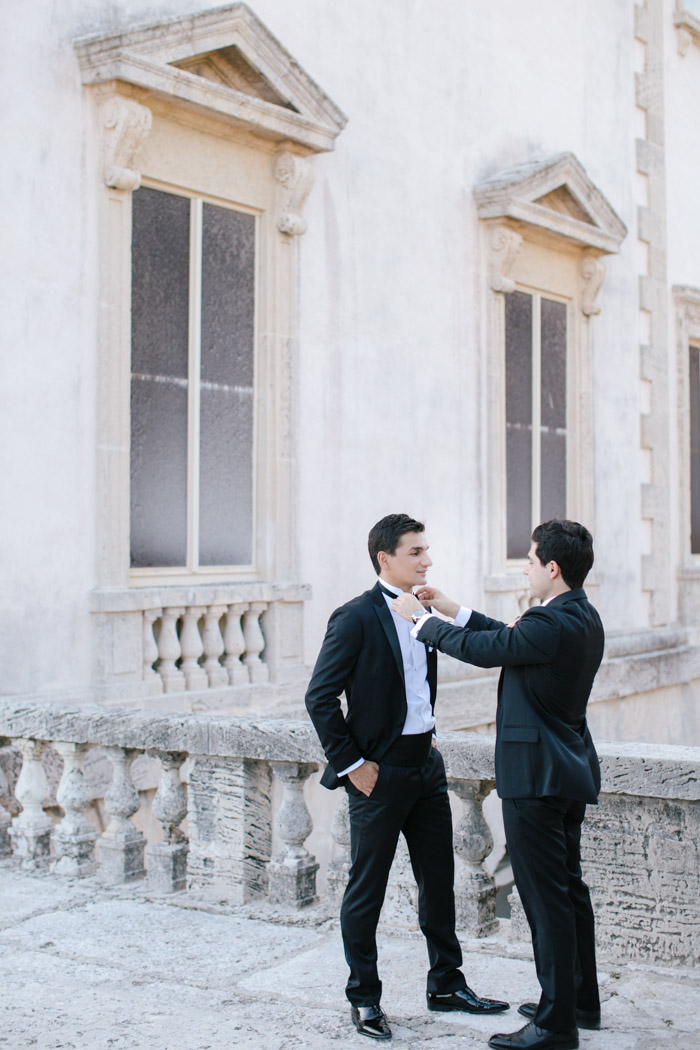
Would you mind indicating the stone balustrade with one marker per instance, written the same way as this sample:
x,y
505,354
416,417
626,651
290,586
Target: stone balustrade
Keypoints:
x,y
164,640
223,834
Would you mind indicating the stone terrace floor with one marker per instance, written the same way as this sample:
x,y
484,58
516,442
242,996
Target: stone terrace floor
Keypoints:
x,y
85,968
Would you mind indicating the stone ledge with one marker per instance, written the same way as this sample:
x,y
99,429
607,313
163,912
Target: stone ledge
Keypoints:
x,y
138,599
649,770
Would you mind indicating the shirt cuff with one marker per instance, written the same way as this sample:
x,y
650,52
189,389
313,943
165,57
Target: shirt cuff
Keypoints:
x,y
462,617
423,620
355,765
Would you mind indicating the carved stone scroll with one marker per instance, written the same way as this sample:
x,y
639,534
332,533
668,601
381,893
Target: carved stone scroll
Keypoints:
x,y
126,124
504,246
592,274
295,178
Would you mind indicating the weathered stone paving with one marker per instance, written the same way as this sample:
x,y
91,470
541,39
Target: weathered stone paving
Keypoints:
x,y
83,967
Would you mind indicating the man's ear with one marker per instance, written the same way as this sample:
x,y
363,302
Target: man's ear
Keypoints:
x,y
554,570
381,558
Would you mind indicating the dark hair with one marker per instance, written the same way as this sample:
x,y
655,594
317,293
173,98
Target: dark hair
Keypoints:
x,y
386,535
567,543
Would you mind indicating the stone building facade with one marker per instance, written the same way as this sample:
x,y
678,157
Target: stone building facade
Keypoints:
x,y
273,271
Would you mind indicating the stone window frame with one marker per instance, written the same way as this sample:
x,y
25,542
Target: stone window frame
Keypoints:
x,y
686,300
173,72
139,575
545,208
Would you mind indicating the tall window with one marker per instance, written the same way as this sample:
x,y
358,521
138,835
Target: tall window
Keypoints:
x,y
536,418
694,384
192,382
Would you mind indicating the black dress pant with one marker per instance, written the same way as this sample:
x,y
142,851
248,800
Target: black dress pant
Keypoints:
x,y
544,837
414,802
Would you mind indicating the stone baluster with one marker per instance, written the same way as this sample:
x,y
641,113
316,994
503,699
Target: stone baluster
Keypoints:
x,y
292,871
169,651
234,645
74,838
254,642
120,848
519,926
31,830
192,648
339,867
167,861
5,817
214,647
150,652
475,891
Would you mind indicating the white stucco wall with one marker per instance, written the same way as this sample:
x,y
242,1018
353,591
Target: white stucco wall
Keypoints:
x,y
390,395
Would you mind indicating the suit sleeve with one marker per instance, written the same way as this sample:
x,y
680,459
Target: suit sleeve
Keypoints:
x,y
334,666
533,640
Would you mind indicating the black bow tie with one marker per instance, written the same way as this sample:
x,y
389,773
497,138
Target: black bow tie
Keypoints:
x,y
389,594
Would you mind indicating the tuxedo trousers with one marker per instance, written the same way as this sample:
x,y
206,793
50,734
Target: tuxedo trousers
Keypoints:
x,y
544,844
413,802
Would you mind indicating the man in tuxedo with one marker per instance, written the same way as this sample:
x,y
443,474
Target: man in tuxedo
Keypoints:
x,y
546,766
382,752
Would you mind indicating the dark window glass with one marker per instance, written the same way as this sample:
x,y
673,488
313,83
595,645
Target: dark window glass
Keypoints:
x,y
228,339
695,449
518,307
159,353
553,410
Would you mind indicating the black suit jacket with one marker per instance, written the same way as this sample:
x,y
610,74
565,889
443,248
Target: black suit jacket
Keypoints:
x,y
360,656
549,659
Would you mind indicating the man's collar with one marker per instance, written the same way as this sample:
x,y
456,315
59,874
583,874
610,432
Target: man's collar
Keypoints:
x,y
396,591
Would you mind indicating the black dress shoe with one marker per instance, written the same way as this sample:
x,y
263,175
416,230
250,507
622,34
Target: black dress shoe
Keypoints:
x,y
589,1019
533,1038
371,1021
465,999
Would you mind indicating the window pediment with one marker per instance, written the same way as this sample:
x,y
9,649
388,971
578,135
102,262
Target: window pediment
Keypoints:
x,y
555,195
226,62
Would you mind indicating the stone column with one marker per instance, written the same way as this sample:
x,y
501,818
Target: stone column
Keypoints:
x,y
192,648
74,838
475,891
339,867
234,645
120,848
169,651
254,642
214,647
31,830
150,652
292,872
167,861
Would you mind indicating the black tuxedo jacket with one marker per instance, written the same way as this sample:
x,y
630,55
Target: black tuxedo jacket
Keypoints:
x,y
361,656
549,659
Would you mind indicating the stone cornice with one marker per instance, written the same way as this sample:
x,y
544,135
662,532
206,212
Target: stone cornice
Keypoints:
x,y
525,194
148,57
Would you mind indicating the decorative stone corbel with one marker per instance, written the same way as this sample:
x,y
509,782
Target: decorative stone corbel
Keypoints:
x,y
125,126
683,40
295,177
504,247
592,274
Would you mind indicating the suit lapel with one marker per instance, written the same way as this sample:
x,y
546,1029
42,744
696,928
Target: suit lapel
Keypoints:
x,y
387,622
